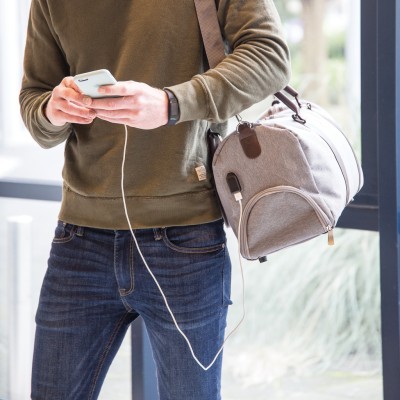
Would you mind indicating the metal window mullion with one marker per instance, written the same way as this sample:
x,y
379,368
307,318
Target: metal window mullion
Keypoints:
x,y
30,190
363,212
388,98
144,380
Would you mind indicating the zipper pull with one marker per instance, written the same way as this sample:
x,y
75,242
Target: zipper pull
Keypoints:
x,y
331,239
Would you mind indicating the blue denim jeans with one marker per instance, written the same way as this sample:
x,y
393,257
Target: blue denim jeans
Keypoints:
x,y
95,286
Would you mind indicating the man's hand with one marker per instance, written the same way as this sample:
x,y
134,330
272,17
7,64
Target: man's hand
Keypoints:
x,y
138,105
67,104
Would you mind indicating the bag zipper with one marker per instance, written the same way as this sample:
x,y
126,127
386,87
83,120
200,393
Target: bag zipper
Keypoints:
x,y
324,220
324,115
317,109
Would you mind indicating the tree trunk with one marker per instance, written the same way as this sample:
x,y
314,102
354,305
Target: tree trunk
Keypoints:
x,y
314,51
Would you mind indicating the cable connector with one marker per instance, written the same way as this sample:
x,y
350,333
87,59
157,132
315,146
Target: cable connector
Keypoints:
x,y
238,196
234,186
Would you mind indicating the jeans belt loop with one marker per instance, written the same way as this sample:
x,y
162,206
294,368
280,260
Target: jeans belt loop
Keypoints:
x,y
157,234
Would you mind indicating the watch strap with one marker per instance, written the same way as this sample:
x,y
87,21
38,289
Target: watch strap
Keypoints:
x,y
173,108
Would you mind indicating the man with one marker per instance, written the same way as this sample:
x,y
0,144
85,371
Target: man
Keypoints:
x,y
97,281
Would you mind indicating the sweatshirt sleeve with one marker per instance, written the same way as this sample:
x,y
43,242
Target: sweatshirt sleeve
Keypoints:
x,y
258,66
41,76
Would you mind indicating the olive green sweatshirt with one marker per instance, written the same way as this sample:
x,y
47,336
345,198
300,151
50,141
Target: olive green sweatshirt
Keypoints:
x,y
157,42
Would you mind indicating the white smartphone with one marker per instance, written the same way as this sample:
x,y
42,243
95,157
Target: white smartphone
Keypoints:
x,y
89,82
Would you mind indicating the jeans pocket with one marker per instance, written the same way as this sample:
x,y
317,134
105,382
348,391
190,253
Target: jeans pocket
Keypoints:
x,y
65,232
195,239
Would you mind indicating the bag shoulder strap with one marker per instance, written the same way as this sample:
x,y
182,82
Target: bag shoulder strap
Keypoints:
x,y
210,31
214,44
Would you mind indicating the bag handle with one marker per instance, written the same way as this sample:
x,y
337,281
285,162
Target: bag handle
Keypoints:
x,y
287,102
292,92
295,107
214,46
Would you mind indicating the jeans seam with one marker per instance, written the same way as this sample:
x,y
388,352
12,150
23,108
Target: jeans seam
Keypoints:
x,y
116,259
226,297
131,268
223,282
64,238
122,291
105,353
126,305
73,232
191,250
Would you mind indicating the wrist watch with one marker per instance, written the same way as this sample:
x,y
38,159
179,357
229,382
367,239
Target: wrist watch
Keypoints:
x,y
173,108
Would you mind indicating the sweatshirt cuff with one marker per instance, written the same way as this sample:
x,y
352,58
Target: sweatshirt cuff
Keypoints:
x,y
192,98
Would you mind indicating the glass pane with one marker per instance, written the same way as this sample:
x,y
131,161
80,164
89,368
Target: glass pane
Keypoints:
x,y
312,327
312,330
324,38
27,230
22,159
20,156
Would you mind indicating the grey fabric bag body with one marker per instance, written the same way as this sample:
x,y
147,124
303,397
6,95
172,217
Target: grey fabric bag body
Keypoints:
x,y
296,172
294,168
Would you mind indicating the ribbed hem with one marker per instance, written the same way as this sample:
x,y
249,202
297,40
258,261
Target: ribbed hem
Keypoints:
x,y
144,212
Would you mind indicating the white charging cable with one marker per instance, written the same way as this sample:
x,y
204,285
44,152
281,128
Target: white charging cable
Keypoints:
x,y
238,198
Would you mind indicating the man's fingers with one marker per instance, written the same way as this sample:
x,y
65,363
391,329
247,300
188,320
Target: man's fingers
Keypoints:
x,y
123,88
69,94
108,113
124,121
68,81
75,110
68,90
60,115
113,103
119,113
67,104
133,102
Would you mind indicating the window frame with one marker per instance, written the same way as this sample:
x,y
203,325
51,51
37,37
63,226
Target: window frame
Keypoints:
x,y
363,212
388,173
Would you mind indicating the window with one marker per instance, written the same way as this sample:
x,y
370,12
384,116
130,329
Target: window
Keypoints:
x,y
313,313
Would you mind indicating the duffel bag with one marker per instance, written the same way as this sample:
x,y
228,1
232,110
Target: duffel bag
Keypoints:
x,y
285,178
